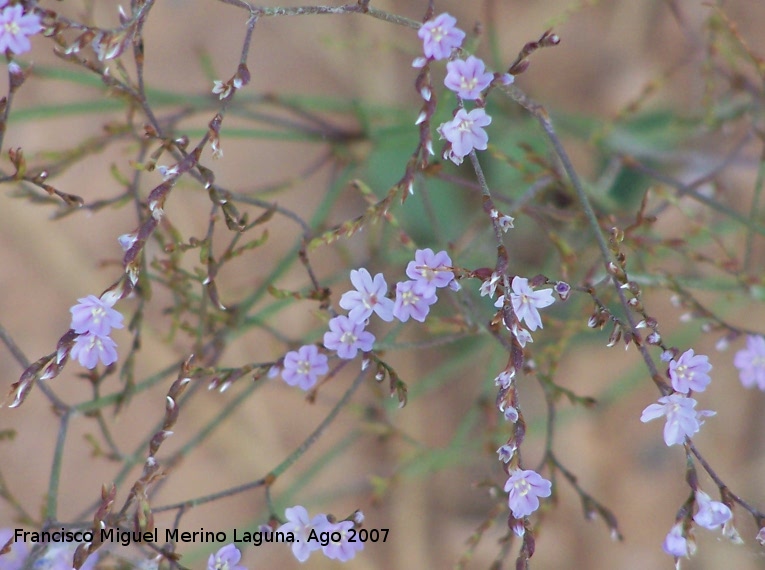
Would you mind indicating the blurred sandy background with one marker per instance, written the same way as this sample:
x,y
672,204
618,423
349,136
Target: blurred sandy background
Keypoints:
x,y
609,51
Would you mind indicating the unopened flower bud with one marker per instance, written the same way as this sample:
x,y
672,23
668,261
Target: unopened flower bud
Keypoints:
x,y
616,334
563,290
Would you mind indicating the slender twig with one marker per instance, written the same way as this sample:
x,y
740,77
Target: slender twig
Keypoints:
x,y
269,479
51,507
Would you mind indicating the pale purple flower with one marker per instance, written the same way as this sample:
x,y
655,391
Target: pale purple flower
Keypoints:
x,y
467,77
303,367
689,372
227,558
711,514
465,133
301,526
751,362
433,269
440,36
524,487
94,315
89,348
341,550
15,26
682,419
347,337
526,302
368,297
413,299
675,543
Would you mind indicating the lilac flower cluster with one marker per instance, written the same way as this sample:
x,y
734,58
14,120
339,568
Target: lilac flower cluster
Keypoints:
x,y
467,78
306,530
93,319
347,334
524,488
688,373
16,27
709,514
428,272
57,556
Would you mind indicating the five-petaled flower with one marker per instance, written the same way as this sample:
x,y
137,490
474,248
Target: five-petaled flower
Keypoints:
x,y
413,299
89,348
347,337
751,362
227,558
440,36
467,77
368,297
465,132
303,367
299,523
689,372
342,550
527,302
682,419
15,27
94,315
524,487
711,514
432,269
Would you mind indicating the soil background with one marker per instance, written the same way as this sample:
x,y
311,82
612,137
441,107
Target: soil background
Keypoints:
x,y
609,51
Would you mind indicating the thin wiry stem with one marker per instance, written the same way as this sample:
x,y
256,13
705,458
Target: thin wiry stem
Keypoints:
x,y
269,479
